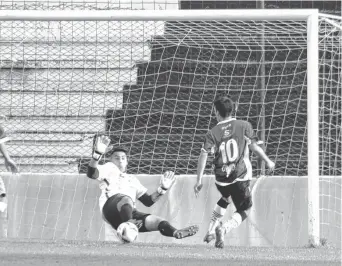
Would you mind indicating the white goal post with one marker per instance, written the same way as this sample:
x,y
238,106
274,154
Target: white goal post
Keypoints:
x,y
308,15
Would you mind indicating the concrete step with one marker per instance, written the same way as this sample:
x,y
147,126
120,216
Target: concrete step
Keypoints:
x,y
56,32
36,103
53,124
63,79
20,148
36,54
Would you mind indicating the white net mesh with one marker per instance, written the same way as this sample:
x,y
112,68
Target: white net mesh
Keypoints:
x,y
150,86
330,46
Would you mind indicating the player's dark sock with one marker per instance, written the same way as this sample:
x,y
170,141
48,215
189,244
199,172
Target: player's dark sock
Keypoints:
x,y
166,229
219,210
126,212
223,203
218,213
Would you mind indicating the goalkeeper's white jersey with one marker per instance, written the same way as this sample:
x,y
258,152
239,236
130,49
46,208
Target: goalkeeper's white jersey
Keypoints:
x,y
113,181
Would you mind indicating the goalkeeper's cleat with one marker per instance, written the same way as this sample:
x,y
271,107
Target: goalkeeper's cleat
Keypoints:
x,y
186,232
209,237
220,232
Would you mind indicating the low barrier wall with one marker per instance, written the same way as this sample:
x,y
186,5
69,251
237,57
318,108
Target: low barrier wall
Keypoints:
x,y
63,206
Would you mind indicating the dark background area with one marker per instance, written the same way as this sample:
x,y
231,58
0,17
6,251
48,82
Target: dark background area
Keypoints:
x,y
167,113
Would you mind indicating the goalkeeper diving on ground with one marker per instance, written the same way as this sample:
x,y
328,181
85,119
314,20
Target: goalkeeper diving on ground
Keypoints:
x,y
229,141
120,191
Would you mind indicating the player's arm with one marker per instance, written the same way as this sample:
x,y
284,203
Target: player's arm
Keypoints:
x,y
208,145
4,152
255,148
202,161
3,139
9,163
166,182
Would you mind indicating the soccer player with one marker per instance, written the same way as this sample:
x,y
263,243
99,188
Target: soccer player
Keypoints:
x,y
10,165
229,141
121,190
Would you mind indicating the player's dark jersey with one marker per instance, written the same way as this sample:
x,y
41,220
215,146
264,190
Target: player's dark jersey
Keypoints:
x,y
229,141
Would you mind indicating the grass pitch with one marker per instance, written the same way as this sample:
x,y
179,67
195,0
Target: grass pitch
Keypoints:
x,y
63,252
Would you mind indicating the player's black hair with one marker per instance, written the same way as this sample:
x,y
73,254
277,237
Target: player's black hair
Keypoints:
x,y
118,148
224,105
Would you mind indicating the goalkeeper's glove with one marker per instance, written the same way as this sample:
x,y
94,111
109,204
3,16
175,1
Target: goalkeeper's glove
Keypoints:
x,y
100,146
166,182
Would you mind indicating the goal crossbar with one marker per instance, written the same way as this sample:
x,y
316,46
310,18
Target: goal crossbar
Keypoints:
x,y
160,15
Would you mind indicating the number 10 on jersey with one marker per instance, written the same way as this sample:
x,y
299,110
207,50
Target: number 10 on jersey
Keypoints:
x,y
229,151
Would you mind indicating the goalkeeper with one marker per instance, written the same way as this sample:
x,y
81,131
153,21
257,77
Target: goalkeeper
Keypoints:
x,y
120,192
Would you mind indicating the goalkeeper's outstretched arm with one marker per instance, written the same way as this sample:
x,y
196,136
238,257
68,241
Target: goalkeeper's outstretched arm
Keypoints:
x,y
166,182
100,146
92,171
260,153
148,200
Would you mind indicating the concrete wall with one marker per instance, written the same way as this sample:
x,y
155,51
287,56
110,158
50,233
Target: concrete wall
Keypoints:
x,y
65,207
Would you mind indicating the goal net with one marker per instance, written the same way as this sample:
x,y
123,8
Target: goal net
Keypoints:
x,y
150,85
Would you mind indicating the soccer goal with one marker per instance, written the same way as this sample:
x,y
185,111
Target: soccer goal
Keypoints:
x,y
148,80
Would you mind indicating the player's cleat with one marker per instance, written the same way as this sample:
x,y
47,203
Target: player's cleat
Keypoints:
x,y
220,232
186,232
209,237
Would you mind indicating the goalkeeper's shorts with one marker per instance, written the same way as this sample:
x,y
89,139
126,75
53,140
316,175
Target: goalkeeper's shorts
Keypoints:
x,y
111,213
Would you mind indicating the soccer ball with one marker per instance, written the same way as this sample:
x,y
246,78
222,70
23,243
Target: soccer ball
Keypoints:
x,y
127,232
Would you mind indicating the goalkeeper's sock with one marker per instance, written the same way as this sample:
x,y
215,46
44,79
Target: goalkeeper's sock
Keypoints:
x,y
218,213
126,212
166,229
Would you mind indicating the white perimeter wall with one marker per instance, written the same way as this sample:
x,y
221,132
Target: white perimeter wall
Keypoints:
x,y
66,207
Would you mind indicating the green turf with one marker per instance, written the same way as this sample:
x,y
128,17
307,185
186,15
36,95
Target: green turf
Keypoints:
x,y
40,252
